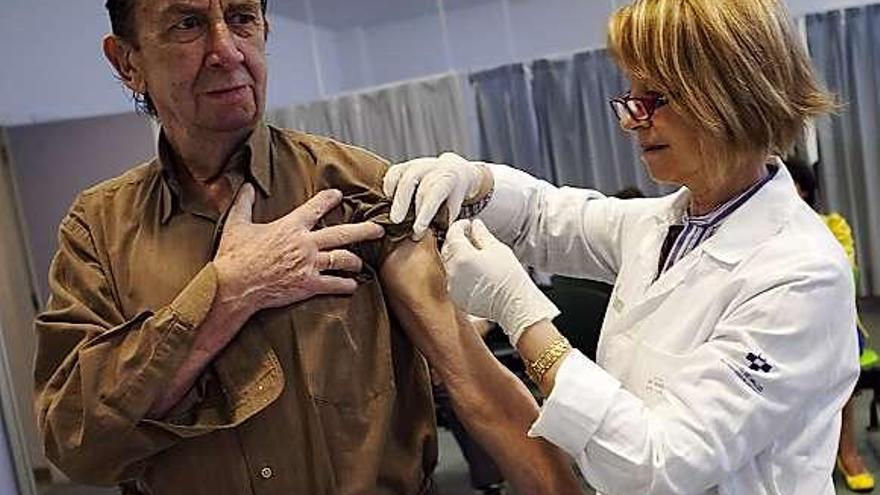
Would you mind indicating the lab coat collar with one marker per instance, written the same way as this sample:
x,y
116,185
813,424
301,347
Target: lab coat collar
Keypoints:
x,y
759,218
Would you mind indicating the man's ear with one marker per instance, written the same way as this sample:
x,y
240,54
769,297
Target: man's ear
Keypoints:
x,y
123,56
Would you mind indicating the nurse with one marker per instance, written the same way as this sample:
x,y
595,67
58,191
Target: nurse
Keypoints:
x,y
727,351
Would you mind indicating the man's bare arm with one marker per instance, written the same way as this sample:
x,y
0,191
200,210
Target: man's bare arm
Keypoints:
x,y
495,406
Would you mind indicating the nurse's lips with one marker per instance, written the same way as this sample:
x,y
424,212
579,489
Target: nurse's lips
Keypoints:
x,y
649,148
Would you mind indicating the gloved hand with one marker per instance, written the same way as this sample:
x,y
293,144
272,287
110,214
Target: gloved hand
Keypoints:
x,y
485,279
448,178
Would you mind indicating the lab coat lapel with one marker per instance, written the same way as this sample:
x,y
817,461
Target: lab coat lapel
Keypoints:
x,y
650,286
758,219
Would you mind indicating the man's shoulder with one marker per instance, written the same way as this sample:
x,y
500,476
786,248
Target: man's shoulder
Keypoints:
x,y
327,149
132,179
123,192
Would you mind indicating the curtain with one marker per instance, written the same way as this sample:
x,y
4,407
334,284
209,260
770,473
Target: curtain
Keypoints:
x,y
399,122
845,47
506,119
580,140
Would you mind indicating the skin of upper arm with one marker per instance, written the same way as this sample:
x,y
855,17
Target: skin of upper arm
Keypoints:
x,y
415,284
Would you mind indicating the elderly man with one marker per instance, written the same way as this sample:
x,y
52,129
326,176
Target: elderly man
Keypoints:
x,y
207,333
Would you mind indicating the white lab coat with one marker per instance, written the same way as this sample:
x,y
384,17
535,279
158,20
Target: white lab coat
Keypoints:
x,y
725,375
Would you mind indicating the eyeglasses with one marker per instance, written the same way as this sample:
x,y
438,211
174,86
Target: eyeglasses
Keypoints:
x,y
638,108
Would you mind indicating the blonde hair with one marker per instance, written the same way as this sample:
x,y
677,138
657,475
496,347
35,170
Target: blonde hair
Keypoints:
x,y
737,68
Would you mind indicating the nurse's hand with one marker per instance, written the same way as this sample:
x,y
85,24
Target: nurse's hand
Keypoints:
x,y
485,279
448,179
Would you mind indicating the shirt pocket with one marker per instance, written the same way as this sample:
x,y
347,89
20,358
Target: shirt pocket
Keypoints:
x,y
344,346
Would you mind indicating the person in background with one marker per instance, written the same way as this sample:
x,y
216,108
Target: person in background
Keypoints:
x,y
849,461
630,192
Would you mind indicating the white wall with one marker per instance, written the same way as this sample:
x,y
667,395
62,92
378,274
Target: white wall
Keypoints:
x,y
8,483
18,304
54,68
55,161
293,77
802,7
478,34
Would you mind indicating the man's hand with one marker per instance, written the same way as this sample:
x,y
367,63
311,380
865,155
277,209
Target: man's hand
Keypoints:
x,y
448,179
485,279
280,263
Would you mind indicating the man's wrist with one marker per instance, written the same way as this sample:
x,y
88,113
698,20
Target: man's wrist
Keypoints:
x,y
232,301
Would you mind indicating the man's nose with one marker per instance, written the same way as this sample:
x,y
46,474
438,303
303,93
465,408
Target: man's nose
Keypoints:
x,y
223,50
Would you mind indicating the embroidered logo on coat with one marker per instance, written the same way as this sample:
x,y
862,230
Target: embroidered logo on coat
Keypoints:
x,y
744,375
758,363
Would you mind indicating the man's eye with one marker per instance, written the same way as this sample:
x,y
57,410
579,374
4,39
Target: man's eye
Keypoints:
x,y
241,19
186,24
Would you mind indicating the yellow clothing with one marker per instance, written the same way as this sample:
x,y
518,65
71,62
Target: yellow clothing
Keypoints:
x,y
843,233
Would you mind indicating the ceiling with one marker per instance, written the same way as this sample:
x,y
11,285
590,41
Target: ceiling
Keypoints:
x,y
341,14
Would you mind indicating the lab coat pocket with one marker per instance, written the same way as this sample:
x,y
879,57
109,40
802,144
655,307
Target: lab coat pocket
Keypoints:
x,y
652,371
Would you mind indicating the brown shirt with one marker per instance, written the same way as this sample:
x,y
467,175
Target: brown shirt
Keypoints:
x,y
325,396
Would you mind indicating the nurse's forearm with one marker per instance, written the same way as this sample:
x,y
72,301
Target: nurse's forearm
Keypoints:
x,y
533,343
498,410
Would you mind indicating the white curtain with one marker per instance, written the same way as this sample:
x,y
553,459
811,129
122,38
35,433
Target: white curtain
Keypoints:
x,y
580,139
400,122
845,47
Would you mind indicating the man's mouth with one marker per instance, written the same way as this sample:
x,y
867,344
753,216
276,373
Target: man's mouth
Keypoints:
x,y
226,91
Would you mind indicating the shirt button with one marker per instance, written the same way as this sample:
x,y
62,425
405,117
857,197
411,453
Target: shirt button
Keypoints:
x,y
266,473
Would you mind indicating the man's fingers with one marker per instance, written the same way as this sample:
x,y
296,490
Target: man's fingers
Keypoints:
x,y
339,260
346,234
243,207
310,212
481,236
327,284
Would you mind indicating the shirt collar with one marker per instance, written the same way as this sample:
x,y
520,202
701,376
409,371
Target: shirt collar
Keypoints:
x,y
255,155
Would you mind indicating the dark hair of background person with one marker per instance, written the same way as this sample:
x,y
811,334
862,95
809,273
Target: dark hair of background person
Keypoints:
x,y
123,25
805,178
631,192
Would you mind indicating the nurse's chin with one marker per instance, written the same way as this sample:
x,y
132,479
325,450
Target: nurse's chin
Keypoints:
x,y
659,173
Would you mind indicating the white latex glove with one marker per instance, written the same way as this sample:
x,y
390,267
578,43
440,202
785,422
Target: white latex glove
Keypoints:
x,y
448,178
485,279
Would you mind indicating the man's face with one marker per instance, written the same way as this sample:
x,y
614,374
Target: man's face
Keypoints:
x,y
203,62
